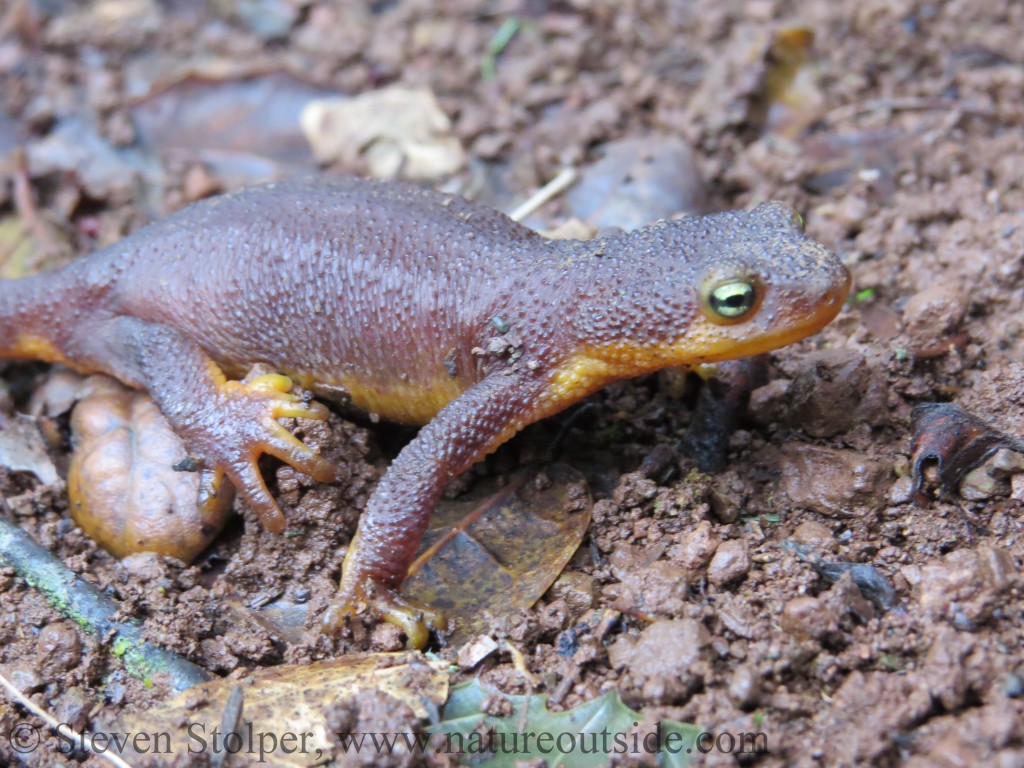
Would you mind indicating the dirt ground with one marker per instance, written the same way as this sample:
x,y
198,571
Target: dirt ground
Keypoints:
x,y
898,133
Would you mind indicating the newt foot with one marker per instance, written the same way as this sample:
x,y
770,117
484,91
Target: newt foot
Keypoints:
x,y
413,618
241,425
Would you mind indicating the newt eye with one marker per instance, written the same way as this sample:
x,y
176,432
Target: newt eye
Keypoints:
x,y
732,300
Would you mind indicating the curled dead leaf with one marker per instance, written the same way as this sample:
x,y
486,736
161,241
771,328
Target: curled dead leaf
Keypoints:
x,y
397,132
124,490
954,442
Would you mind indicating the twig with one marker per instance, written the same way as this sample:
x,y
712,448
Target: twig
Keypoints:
x,y
519,662
25,204
81,738
90,609
565,179
912,104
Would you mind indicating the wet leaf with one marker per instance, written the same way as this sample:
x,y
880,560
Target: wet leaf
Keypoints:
x,y
395,131
838,159
122,486
23,449
637,181
104,171
288,699
585,731
245,129
954,442
498,555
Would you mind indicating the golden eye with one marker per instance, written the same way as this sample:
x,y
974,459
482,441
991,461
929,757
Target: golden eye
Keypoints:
x,y
798,221
732,300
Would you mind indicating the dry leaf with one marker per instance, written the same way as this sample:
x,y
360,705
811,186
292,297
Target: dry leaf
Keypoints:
x,y
398,132
282,720
123,489
23,449
28,247
637,181
481,559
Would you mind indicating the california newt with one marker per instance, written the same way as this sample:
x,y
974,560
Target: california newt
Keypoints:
x,y
414,305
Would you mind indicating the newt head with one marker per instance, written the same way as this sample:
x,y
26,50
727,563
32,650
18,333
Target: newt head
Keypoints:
x,y
698,290
768,286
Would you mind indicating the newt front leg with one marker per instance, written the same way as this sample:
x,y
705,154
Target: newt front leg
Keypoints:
x,y
396,518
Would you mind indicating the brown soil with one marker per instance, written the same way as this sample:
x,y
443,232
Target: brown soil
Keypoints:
x,y
905,152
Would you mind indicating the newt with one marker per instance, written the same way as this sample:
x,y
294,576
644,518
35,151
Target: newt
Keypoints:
x,y
414,305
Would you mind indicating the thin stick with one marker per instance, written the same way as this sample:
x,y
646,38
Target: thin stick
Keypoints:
x,y
565,179
912,104
90,609
58,728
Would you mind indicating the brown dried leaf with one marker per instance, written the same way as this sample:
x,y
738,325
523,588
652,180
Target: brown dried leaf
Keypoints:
x,y
122,487
397,132
499,554
281,701
791,94
637,181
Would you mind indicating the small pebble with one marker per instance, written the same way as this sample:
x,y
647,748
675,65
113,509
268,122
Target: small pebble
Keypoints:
x,y
835,483
664,663
744,687
73,708
934,313
978,485
25,680
576,589
730,563
902,491
806,618
815,536
475,651
696,549
58,646
1013,685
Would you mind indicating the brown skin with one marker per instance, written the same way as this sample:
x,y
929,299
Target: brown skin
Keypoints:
x,y
417,306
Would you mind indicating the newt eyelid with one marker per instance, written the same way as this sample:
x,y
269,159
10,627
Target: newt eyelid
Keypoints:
x,y
416,306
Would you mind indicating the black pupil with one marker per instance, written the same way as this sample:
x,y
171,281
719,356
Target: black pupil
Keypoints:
x,y
737,300
733,301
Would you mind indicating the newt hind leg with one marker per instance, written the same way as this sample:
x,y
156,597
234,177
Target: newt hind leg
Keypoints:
x,y
226,425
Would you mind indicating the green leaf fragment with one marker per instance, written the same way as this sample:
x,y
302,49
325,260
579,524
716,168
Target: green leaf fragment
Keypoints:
x,y
588,736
